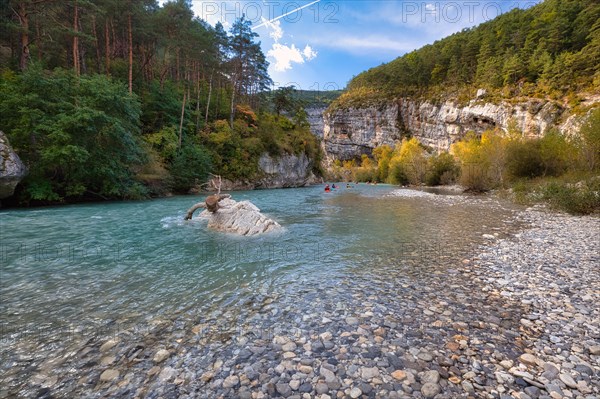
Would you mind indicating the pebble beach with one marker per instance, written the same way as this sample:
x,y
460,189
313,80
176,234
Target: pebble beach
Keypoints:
x,y
518,317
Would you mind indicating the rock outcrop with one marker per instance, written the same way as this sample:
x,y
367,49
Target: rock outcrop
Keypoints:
x,y
242,218
351,132
286,171
316,119
277,172
440,125
12,170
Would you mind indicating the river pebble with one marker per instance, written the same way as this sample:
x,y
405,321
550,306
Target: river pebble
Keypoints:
x,y
516,317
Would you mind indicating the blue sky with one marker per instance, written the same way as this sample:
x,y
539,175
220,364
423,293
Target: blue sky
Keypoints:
x,y
322,44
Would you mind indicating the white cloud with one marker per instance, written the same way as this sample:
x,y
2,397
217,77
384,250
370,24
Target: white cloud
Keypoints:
x,y
285,56
309,53
276,32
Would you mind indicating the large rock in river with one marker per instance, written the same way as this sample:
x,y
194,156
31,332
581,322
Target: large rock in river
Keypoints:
x,y
242,218
12,170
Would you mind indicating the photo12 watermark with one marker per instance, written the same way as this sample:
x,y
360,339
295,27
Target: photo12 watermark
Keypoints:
x,y
69,253
261,13
269,252
451,12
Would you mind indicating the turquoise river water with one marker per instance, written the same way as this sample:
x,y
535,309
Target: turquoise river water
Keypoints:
x,y
94,270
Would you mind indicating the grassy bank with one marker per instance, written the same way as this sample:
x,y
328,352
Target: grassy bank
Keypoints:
x,y
577,194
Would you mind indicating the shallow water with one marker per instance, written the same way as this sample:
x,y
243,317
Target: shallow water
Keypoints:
x,y
74,273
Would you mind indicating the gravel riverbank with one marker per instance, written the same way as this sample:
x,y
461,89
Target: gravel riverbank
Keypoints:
x,y
516,318
553,268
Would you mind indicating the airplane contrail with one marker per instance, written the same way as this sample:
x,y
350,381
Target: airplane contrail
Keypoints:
x,y
285,15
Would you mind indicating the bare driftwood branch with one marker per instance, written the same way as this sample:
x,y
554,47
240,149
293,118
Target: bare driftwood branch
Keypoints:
x,y
193,209
211,203
214,184
217,184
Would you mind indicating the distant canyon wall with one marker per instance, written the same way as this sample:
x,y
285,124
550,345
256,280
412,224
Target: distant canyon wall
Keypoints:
x,y
285,171
350,132
315,119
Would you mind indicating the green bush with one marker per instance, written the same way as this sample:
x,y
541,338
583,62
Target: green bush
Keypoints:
x,y
481,161
190,167
79,136
524,159
442,170
550,155
161,106
589,145
397,174
556,153
164,142
408,163
578,199
365,175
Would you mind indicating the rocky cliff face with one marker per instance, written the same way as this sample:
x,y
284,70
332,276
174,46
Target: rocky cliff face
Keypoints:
x,y
282,172
12,169
351,132
316,120
286,171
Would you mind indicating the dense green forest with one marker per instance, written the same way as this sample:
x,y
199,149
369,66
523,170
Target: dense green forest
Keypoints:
x,y
125,99
551,50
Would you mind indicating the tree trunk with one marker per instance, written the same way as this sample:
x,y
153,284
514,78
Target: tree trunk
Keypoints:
x,y
232,114
97,44
181,121
130,54
81,52
163,75
177,65
38,39
107,47
209,95
218,100
114,39
197,100
23,16
76,65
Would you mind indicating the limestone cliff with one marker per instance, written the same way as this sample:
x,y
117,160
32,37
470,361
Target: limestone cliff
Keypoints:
x,y
350,132
316,119
277,172
12,169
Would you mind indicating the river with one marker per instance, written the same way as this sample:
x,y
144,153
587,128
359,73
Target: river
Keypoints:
x,y
73,277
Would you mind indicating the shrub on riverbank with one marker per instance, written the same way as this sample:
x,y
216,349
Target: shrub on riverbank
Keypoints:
x,y
536,169
580,198
79,136
552,169
87,138
408,164
442,170
482,161
550,155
